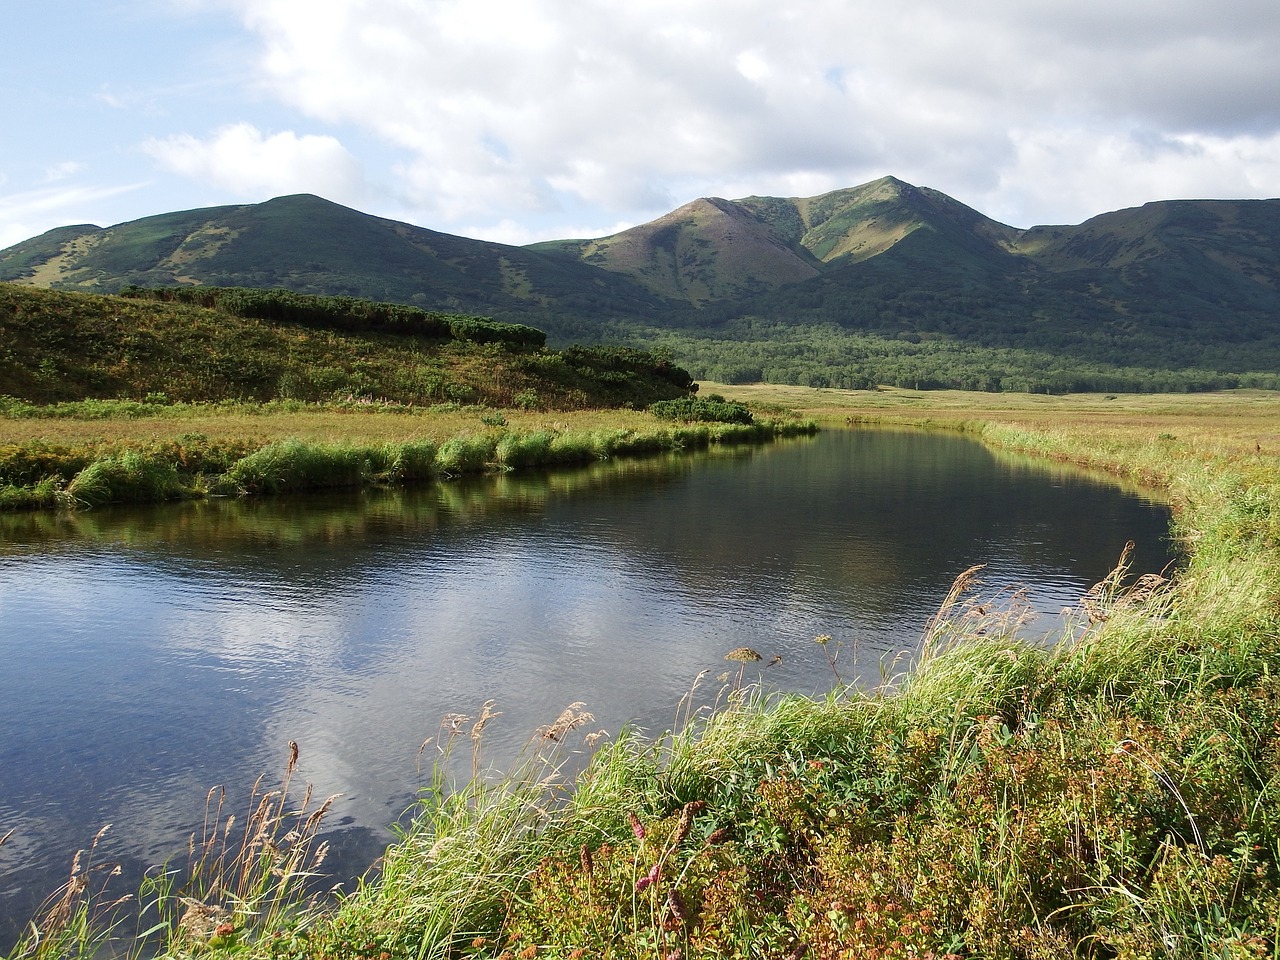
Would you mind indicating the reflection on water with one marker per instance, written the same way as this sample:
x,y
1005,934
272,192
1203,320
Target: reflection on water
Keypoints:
x,y
151,653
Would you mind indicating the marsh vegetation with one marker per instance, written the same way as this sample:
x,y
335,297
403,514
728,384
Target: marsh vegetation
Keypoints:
x,y
1110,796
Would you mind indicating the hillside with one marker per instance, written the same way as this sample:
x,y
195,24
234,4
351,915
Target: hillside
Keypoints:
x,y
310,245
707,250
871,283
262,345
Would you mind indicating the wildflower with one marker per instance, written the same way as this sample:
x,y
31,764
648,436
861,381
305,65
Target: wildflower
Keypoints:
x,y
675,906
686,820
648,879
719,835
636,826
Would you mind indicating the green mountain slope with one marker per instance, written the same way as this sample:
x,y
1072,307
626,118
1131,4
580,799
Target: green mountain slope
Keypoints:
x,y
310,245
707,250
247,344
1201,262
1175,285
862,222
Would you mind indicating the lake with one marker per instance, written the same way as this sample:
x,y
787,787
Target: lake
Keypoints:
x,y
150,654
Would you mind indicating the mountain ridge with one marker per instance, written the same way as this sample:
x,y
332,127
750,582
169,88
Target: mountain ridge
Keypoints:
x,y
1169,284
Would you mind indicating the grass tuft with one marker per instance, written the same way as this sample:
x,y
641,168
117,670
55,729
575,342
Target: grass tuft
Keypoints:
x,y
129,478
466,454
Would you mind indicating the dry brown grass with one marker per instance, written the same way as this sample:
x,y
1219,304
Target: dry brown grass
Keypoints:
x,y
330,425
1231,422
1238,421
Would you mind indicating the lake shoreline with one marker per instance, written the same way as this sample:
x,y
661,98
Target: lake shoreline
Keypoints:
x,y
198,451
1113,793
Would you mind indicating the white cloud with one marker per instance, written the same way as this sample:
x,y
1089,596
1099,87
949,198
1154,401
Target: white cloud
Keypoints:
x,y
1101,173
518,234
61,171
537,118
515,108
28,213
113,100
240,159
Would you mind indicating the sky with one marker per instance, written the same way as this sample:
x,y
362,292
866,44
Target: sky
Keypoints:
x,y
525,120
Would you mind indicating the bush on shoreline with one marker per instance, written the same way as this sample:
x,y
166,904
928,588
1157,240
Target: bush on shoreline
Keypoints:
x,y
710,409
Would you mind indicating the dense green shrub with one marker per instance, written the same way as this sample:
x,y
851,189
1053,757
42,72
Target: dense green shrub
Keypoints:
x,y
343,313
481,330
130,478
627,360
285,306
24,465
712,409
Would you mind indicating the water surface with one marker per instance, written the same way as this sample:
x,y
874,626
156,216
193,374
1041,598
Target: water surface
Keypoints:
x,y
149,654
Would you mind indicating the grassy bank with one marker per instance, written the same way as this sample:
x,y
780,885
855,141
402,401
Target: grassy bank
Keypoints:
x,y
1115,796
95,452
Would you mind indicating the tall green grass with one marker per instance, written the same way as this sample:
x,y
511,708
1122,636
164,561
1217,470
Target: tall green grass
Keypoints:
x,y
35,476
410,462
129,478
293,465
997,800
466,454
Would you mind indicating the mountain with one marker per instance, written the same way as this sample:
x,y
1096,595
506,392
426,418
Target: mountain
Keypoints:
x,y
1170,285
311,245
707,250
713,250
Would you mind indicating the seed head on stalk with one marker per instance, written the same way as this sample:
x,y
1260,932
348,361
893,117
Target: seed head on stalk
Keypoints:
x,y
743,655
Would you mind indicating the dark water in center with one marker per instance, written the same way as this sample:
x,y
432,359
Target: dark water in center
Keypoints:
x,y
149,654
